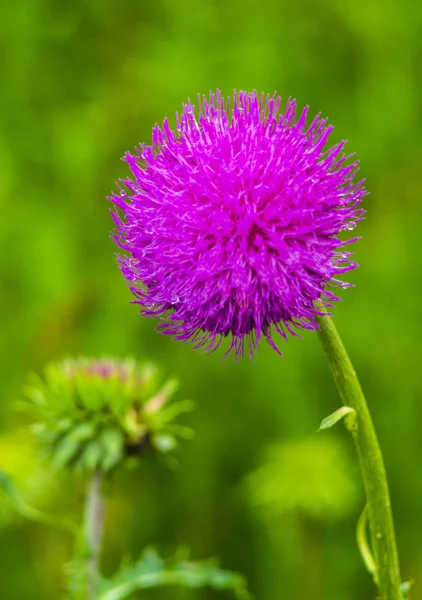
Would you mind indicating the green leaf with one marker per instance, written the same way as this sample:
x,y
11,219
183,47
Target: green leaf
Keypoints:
x,y
345,412
83,432
405,588
33,514
151,571
91,456
112,443
172,411
65,451
187,433
164,442
77,572
363,545
89,392
64,425
156,404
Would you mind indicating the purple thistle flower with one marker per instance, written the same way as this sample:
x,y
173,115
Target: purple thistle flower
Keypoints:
x,y
231,222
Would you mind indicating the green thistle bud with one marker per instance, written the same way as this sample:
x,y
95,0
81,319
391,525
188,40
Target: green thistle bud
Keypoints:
x,y
94,413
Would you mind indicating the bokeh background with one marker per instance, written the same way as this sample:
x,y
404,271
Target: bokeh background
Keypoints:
x,y
82,82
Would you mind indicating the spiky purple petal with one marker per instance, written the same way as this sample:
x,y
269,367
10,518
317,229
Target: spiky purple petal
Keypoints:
x,y
230,223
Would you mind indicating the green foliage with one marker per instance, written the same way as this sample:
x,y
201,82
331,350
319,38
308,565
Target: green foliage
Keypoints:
x,y
76,573
9,491
95,413
85,81
20,460
345,412
152,571
405,587
363,544
312,477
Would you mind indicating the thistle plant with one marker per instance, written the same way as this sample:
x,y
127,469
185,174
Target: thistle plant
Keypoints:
x,y
231,222
234,225
94,416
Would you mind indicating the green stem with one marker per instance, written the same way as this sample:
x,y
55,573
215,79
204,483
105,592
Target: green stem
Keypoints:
x,y
371,463
94,518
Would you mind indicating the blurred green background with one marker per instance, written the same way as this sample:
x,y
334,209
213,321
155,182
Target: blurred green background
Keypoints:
x,y
82,83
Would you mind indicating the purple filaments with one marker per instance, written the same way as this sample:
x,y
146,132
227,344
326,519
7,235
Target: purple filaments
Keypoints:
x,y
230,223
102,368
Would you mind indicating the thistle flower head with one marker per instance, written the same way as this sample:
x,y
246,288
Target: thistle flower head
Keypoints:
x,y
92,414
231,222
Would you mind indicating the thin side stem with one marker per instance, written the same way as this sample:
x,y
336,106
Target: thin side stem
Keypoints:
x,y
94,519
371,463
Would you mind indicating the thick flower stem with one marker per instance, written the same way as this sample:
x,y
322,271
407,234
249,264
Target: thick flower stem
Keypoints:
x,y
387,576
94,518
